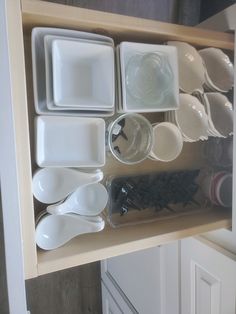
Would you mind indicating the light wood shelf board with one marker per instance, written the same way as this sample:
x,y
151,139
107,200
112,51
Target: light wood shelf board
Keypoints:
x,y
112,242
43,13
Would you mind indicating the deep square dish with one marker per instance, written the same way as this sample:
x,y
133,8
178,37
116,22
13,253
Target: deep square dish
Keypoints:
x,y
83,74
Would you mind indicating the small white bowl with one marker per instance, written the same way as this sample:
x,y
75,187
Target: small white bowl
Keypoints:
x,y
219,69
191,118
191,68
167,142
221,113
83,74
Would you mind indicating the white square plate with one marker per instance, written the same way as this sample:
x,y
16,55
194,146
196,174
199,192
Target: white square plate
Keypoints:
x,y
38,67
48,40
70,141
83,74
171,101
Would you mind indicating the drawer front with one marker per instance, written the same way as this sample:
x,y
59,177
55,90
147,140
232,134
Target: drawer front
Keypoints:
x,y
16,170
15,160
11,157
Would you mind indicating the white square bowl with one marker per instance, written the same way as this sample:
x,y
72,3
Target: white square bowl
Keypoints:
x,y
83,74
48,40
70,141
171,100
38,67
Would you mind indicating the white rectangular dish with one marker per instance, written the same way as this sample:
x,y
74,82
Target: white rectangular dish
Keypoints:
x,y
48,39
70,141
38,68
83,74
167,63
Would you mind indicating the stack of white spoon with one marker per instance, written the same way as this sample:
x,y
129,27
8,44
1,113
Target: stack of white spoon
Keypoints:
x,y
78,199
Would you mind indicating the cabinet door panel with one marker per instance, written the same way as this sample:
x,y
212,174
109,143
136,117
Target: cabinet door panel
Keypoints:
x,y
148,280
113,304
208,279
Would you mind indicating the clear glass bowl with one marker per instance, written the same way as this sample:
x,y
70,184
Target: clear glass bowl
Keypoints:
x,y
130,138
148,77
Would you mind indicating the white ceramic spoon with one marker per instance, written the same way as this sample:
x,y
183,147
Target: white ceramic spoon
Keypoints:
x,y
51,185
53,231
87,200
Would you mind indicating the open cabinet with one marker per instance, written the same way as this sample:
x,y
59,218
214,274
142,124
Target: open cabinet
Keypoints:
x,y
17,140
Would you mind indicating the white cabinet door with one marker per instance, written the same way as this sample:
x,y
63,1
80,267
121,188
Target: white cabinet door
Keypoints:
x,y
114,304
208,279
147,280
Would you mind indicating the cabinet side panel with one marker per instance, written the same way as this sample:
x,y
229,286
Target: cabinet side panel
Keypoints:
x,y
15,153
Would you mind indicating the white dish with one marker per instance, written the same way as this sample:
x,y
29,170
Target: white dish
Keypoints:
x,y
70,141
83,74
211,128
167,142
38,67
53,231
168,58
170,117
86,200
51,185
219,69
191,118
191,68
48,40
221,113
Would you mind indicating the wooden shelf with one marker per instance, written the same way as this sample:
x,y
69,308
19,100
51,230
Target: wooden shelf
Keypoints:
x,y
112,242
43,13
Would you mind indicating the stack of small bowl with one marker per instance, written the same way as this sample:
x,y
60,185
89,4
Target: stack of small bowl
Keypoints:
x,y
213,116
190,118
202,114
220,114
219,74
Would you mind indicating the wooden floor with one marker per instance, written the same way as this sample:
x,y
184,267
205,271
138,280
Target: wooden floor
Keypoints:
x,y
72,291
